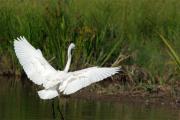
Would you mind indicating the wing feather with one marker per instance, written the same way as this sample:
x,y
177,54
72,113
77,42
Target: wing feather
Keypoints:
x,y
34,64
85,77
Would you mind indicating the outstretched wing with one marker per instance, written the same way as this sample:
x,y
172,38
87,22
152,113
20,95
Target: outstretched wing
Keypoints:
x,y
85,77
32,61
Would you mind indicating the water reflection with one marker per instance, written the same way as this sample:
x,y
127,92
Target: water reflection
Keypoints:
x,y
19,100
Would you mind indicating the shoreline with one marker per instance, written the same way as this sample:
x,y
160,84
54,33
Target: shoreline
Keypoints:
x,y
130,99
94,92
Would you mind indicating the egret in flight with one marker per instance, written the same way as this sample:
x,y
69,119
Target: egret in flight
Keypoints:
x,y
54,81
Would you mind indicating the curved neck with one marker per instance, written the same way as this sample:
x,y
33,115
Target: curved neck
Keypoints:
x,y
69,61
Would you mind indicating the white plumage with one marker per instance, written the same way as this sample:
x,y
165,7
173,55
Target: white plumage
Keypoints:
x,y
54,81
47,93
82,78
32,61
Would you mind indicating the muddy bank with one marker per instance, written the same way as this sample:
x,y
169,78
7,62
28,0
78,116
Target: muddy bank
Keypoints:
x,y
126,97
114,92
7,66
163,95
109,90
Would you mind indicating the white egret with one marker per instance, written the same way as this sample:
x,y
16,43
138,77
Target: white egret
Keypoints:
x,y
40,72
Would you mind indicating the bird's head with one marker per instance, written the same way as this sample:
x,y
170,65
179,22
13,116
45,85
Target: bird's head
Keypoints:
x,y
72,46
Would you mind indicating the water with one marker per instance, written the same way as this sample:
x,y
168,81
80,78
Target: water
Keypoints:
x,y
19,101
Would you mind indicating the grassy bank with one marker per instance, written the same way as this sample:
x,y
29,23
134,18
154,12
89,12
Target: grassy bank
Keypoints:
x,y
117,32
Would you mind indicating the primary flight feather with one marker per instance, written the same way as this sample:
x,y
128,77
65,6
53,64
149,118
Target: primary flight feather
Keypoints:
x,y
40,72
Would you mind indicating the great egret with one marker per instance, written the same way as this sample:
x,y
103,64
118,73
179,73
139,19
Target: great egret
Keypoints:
x,y
40,72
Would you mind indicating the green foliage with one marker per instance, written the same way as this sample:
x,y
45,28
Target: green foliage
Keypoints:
x,y
102,31
171,52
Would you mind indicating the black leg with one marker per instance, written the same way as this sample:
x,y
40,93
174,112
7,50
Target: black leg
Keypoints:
x,y
53,110
58,107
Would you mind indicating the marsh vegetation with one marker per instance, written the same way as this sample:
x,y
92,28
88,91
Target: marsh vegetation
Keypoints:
x,y
142,36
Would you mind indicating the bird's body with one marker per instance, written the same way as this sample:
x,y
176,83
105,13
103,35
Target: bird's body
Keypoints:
x,y
54,81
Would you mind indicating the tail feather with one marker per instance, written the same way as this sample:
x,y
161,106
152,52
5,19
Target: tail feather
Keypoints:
x,y
47,94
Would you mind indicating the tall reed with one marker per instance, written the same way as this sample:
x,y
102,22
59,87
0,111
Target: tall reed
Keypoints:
x,y
102,30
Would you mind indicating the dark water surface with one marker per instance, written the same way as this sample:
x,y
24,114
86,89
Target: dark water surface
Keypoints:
x,y
19,101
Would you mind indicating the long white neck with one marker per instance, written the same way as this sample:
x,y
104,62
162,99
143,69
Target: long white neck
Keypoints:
x,y
69,60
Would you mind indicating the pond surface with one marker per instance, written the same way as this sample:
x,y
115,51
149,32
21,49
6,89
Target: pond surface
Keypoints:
x,y
19,101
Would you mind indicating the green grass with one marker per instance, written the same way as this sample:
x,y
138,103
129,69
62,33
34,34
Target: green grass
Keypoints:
x,y
123,32
171,52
